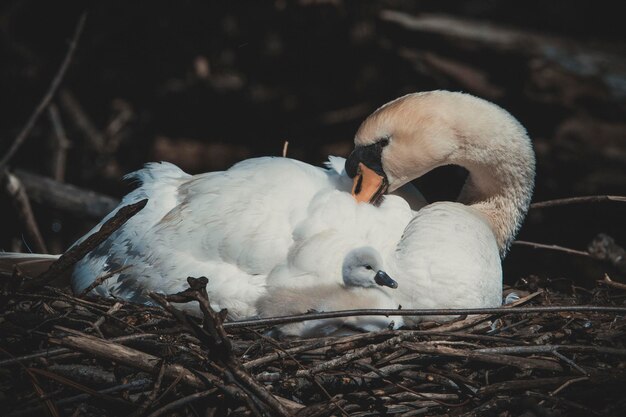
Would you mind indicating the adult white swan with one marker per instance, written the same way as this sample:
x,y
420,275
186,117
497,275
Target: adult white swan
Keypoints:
x,y
449,254
238,226
233,226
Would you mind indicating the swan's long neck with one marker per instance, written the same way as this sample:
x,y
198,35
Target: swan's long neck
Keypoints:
x,y
500,183
436,128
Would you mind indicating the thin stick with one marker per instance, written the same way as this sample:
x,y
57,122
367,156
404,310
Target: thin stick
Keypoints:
x,y
551,247
570,362
114,309
15,189
130,357
578,200
568,383
213,335
62,144
98,281
150,401
285,147
65,197
49,353
610,283
174,405
504,350
47,98
273,321
73,384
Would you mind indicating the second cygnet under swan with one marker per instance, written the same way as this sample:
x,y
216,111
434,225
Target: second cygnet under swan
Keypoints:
x,y
336,224
363,278
449,254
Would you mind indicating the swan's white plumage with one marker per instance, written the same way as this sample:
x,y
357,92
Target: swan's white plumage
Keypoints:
x,y
291,224
262,216
335,224
233,227
447,258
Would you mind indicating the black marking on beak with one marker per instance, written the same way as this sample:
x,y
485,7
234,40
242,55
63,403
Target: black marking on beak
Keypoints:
x,y
385,280
370,155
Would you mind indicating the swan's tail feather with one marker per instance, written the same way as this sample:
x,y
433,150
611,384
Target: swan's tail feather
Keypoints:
x,y
154,176
336,163
29,264
158,182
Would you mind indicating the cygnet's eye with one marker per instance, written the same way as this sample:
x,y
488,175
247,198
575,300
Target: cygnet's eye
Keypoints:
x,y
368,267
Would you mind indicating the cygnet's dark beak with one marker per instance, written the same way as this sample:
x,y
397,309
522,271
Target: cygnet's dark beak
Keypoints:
x,y
385,280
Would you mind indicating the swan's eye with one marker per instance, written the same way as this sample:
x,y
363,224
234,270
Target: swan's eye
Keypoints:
x,y
368,267
384,142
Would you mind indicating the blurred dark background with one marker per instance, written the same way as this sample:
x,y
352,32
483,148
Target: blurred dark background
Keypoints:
x,y
205,84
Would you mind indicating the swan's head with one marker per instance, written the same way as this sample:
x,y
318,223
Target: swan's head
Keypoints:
x,y
399,142
363,267
410,136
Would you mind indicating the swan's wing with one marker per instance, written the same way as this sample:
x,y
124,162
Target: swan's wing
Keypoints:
x,y
230,226
246,215
159,183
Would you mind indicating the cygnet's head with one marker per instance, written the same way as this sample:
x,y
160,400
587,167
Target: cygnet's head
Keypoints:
x,y
363,267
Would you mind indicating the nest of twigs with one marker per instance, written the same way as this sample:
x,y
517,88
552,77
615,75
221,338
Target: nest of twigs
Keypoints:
x,y
70,356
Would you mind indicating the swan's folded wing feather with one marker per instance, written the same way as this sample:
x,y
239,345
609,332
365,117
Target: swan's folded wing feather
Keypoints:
x,y
231,226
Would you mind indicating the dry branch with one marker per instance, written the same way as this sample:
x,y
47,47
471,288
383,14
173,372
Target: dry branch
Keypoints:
x,y
497,311
556,248
82,121
14,188
578,200
571,57
430,369
608,281
49,353
65,197
124,355
47,98
482,356
216,339
62,144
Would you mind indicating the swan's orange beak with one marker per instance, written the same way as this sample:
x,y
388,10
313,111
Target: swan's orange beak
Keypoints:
x,y
368,186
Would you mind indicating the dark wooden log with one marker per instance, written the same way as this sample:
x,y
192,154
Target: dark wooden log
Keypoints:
x,y
65,197
580,59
